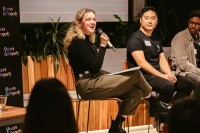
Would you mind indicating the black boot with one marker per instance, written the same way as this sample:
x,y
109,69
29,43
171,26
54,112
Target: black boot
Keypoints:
x,y
120,125
156,107
116,126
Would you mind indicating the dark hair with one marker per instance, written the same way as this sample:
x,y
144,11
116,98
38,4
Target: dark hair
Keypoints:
x,y
184,116
50,109
194,13
145,9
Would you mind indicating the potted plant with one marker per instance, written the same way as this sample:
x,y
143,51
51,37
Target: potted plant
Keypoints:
x,y
40,41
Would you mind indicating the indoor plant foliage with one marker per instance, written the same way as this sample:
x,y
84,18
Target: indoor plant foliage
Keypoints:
x,y
123,30
41,41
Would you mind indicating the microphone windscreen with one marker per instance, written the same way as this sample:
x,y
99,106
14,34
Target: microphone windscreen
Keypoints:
x,y
174,67
100,31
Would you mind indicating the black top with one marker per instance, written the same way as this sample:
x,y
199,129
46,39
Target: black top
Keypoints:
x,y
151,46
83,56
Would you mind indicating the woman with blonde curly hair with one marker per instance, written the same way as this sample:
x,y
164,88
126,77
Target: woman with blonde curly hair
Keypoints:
x,y
93,82
75,29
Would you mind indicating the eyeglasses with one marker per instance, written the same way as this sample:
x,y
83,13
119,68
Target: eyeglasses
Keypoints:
x,y
194,23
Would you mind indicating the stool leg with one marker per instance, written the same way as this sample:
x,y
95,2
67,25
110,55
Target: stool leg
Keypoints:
x,y
128,124
125,124
149,124
149,118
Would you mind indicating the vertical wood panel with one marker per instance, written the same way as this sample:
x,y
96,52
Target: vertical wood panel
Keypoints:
x,y
93,116
63,72
97,123
104,114
31,74
25,79
141,113
37,71
50,67
58,73
84,115
44,68
70,78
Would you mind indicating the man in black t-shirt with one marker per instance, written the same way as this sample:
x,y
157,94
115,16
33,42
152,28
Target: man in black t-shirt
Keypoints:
x,y
150,45
144,48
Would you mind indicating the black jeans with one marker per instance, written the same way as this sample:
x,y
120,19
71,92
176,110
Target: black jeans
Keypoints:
x,y
183,87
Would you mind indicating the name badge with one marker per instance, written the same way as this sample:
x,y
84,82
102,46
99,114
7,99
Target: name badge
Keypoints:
x,y
195,51
147,43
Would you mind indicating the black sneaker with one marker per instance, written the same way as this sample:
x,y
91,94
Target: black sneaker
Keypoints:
x,y
114,128
165,105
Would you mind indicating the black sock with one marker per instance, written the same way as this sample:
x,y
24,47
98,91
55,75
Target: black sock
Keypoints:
x,y
122,119
150,99
119,120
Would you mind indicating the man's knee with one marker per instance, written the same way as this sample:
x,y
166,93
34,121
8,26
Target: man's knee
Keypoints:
x,y
169,88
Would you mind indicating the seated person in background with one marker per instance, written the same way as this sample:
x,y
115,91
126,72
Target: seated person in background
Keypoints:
x,y
184,116
94,83
50,109
144,49
185,51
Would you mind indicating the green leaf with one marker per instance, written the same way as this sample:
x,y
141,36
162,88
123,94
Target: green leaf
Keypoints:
x,y
42,41
25,60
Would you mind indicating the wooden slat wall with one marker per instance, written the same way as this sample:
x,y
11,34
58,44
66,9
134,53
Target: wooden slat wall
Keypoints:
x,y
101,111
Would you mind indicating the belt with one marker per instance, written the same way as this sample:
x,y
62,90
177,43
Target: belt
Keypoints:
x,y
81,74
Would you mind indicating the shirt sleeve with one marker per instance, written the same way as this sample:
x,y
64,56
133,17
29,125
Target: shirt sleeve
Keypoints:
x,y
134,44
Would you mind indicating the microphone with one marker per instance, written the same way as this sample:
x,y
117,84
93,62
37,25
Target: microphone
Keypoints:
x,y
173,70
100,31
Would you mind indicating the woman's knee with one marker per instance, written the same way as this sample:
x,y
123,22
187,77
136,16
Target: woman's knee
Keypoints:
x,y
137,73
136,93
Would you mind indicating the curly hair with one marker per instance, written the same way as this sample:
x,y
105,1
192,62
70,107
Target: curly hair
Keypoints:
x,y
194,13
75,29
